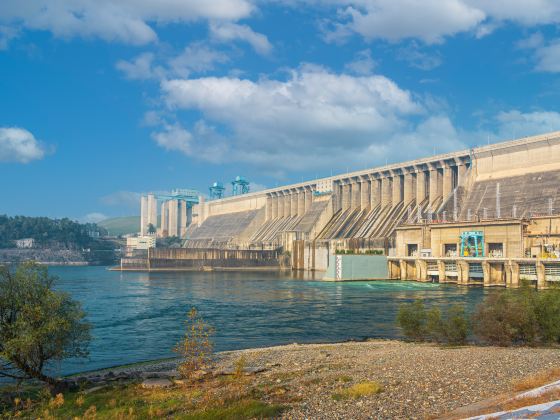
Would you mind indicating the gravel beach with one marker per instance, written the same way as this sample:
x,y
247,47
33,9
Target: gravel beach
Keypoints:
x,y
419,381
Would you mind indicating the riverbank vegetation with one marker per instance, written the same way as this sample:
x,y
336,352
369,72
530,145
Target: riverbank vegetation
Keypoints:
x,y
38,325
504,318
56,235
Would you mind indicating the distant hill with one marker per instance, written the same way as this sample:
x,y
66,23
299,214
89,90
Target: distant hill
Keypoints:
x,y
121,225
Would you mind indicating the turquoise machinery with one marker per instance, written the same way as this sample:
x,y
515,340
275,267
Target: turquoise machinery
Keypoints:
x,y
472,244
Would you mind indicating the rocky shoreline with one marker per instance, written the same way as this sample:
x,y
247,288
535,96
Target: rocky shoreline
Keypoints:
x,y
417,380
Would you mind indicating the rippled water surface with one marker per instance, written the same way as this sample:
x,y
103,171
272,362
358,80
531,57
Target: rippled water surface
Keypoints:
x,y
139,316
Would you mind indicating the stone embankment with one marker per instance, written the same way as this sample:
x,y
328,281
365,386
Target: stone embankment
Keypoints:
x,y
417,380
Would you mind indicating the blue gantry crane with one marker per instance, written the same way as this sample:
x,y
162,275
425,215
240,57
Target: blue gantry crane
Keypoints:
x,y
240,185
216,190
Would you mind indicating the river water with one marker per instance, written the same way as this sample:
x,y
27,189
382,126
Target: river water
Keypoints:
x,y
140,316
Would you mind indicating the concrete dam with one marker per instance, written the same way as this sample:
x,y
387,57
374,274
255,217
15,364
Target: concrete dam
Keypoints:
x,y
401,210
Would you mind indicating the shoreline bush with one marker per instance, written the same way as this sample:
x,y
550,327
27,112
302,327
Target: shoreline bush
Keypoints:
x,y
504,318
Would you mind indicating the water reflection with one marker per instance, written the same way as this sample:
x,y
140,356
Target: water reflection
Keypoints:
x,y
139,316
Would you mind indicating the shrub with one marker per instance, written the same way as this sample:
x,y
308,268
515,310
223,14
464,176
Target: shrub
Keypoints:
x,y
456,326
412,320
421,325
506,318
547,312
37,324
196,347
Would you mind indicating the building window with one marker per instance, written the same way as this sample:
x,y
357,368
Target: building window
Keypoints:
x,y
412,250
495,250
450,250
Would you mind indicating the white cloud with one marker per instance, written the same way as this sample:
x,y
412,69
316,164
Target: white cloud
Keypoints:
x,y
174,137
129,199
126,21
394,20
533,41
227,32
515,124
415,57
362,64
140,68
196,57
431,21
548,57
19,145
94,217
314,119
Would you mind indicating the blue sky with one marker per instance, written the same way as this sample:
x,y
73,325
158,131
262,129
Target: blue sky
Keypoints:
x,y
103,100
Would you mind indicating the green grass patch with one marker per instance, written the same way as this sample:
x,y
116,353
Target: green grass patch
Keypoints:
x,y
362,389
245,409
209,401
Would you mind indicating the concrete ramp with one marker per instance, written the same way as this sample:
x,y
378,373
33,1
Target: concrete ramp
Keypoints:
x,y
530,195
221,229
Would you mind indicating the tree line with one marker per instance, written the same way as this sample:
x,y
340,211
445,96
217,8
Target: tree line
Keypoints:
x,y
47,232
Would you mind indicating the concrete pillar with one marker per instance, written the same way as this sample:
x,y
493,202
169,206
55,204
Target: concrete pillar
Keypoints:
x,y
184,219
447,183
274,214
385,191
268,207
461,174
164,224
486,270
541,276
420,186
293,204
514,275
433,194
152,210
346,199
462,272
421,270
397,189
280,200
409,190
173,217
375,187
287,205
143,215
441,271
355,191
308,199
365,194
301,203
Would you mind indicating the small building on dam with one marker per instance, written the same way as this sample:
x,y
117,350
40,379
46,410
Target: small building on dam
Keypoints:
x,y
488,215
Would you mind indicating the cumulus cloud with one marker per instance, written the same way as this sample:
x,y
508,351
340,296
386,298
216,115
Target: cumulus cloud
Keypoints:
x,y
548,57
415,57
313,120
127,21
195,58
174,137
139,68
431,21
228,31
514,123
198,58
363,63
19,145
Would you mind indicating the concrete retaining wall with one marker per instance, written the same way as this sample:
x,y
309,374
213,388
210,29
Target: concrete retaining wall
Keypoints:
x,y
357,267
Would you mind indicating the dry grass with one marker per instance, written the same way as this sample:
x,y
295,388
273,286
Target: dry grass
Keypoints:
x,y
362,389
534,381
